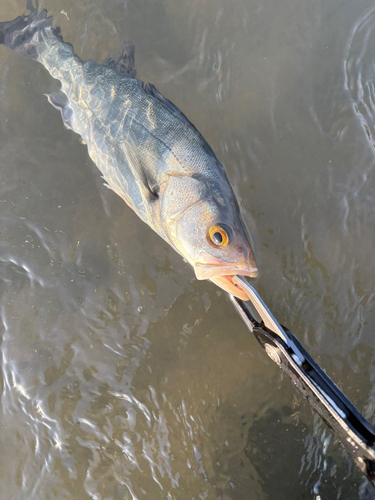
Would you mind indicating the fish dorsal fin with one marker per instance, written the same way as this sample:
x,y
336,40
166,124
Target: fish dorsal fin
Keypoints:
x,y
125,65
153,91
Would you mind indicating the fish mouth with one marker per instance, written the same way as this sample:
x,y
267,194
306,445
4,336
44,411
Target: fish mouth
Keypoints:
x,y
226,283
222,276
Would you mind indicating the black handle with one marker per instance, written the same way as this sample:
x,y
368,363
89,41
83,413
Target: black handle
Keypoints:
x,y
355,433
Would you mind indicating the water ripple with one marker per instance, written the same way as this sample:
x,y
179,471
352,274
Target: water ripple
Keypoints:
x,y
359,71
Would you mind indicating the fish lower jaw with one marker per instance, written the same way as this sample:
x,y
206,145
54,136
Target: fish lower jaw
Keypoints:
x,y
225,283
222,276
205,272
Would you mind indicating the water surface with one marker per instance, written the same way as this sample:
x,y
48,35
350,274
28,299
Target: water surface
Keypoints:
x,y
122,376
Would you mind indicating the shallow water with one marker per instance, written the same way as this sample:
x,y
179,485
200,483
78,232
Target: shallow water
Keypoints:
x,y
122,376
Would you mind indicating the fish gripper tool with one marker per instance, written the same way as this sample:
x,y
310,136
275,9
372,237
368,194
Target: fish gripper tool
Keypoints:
x,y
354,432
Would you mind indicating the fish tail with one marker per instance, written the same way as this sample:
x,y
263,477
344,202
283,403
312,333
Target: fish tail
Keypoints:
x,y
32,35
21,34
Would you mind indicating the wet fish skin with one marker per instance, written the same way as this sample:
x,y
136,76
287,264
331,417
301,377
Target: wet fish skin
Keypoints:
x,y
146,149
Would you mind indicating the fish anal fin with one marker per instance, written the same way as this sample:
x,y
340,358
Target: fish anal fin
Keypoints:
x,y
60,101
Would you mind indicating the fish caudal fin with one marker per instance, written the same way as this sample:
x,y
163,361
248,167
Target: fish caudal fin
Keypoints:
x,y
20,34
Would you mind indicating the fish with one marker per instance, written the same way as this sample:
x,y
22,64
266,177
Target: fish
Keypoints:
x,y
146,149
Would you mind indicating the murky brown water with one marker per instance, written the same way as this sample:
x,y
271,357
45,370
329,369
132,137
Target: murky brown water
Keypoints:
x,y
123,377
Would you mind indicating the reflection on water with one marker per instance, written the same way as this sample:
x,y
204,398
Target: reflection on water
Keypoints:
x,y
121,375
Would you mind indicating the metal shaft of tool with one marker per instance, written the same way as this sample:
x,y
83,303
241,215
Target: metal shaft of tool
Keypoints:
x,y
263,311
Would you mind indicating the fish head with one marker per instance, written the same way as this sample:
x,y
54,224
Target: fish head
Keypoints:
x,y
210,234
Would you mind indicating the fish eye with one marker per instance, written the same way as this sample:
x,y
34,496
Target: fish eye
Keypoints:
x,y
218,235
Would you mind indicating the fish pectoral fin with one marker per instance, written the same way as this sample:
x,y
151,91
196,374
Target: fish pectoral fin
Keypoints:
x,y
61,102
110,184
142,212
144,183
125,65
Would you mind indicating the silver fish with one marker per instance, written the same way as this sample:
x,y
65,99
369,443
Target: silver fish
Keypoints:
x,y
147,151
